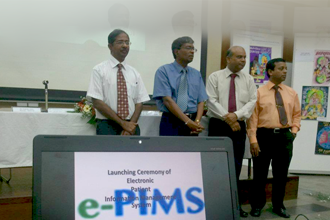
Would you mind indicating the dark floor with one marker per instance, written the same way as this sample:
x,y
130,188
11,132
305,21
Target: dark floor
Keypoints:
x,y
313,200
15,197
313,197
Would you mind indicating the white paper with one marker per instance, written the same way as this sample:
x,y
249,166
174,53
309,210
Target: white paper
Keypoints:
x,y
304,55
26,110
59,110
322,119
102,178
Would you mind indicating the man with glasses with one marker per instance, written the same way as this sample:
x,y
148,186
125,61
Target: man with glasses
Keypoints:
x,y
180,92
117,90
232,97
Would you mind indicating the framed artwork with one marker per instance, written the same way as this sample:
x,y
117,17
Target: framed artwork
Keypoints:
x,y
321,74
322,145
259,56
314,102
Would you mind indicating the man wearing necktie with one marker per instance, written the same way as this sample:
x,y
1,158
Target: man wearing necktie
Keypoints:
x,y
180,92
117,90
272,129
232,97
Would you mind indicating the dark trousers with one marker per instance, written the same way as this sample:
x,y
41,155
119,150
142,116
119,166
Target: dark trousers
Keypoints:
x,y
172,126
277,149
109,127
217,127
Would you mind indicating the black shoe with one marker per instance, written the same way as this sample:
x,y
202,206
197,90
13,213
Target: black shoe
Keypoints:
x,y
243,214
255,212
281,212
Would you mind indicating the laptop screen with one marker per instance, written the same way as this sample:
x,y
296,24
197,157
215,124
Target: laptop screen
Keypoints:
x,y
93,177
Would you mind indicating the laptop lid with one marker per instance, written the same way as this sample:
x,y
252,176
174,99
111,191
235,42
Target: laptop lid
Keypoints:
x,y
117,177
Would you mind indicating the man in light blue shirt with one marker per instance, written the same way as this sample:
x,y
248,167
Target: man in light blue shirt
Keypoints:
x,y
180,92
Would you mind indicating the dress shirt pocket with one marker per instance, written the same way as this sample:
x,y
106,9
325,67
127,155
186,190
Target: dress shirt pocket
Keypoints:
x,y
244,96
193,91
268,105
131,89
108,85
288,104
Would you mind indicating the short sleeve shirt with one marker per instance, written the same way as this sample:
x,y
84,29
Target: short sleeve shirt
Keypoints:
x,y
103,85
167,82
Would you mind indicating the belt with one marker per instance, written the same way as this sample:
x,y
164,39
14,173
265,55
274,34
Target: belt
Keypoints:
x,y
110,120
275,130
189,115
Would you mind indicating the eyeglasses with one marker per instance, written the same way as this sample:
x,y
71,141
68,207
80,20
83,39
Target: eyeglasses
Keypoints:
x,y
121,42
190,48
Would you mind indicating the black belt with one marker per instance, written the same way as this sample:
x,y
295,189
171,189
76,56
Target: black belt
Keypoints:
x,y
274,130
110,120
189,115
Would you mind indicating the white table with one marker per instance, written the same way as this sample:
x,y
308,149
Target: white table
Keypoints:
x,y
17,131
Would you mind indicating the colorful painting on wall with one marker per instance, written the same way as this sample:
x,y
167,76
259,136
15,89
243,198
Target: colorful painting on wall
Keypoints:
x,y
323,138
259,56
321,75
314,102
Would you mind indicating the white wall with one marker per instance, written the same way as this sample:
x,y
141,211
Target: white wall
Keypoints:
x,y
305,160
63,40
247,39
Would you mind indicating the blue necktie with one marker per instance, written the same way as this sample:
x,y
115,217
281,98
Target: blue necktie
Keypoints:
x,y
182,100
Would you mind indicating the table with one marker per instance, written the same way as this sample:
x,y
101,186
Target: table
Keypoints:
x,y
17,131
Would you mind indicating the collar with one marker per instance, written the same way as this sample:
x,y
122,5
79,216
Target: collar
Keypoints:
x,y
270,85
228,72
114,62
178,67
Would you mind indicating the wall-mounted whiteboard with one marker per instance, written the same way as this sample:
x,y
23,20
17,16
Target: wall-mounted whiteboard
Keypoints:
x,y
62,41
304,158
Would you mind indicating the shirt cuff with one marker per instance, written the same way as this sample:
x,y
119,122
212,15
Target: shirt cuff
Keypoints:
x,y
99,97
160,96
141,100
239,114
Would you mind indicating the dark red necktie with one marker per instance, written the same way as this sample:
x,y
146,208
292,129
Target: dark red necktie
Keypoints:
x,y
122,100
232,95
280,106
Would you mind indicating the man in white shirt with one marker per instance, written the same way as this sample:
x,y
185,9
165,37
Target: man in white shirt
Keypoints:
x,y
232,97
117,90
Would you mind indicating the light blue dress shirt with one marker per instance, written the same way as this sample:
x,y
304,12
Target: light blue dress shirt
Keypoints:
x,y
167,81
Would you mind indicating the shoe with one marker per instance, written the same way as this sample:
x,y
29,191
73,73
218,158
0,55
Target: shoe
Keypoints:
x,y
255,212
243,214
281,212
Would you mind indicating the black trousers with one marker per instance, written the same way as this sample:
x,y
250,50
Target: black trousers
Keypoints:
x,y
217,127
109,127
276,148
172,126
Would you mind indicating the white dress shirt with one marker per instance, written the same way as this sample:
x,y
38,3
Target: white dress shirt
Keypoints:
x,y
103,85
217,88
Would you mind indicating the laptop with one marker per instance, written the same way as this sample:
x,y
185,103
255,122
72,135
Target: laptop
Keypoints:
x,y
118,177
